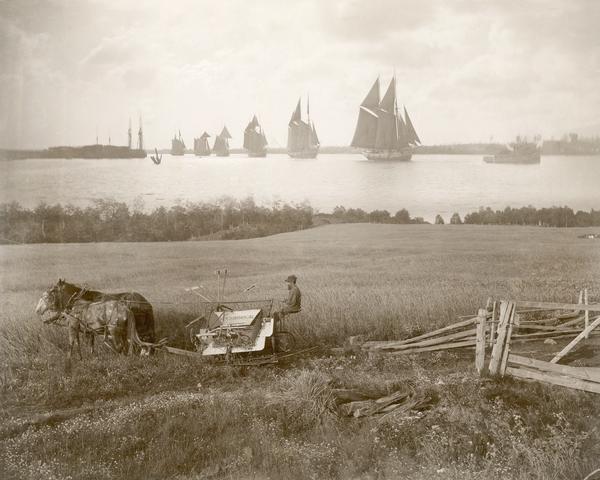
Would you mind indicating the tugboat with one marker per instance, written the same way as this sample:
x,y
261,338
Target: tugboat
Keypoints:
x,y
254,139
201,146
177,145
221,146
520,152
380,128
303,141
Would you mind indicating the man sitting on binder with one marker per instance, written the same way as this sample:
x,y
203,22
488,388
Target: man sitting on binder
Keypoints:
x,y
293,302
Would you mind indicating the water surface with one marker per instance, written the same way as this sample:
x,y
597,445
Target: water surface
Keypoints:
x,y
426,186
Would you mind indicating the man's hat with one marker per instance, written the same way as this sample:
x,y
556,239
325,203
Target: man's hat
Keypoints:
x,y
291,279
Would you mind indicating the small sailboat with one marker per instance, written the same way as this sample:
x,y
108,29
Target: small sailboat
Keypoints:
x,y
303,141
221,146
201,146
255,140
177,145
156,158
380,130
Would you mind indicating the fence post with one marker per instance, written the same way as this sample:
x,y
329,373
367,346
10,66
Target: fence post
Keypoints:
x,y
506,312
587,313
480,343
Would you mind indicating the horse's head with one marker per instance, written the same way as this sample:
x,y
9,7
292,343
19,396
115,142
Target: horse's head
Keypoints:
x,y
53,301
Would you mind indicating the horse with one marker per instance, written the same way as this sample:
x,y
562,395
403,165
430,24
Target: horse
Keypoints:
x,y
66,292
113,318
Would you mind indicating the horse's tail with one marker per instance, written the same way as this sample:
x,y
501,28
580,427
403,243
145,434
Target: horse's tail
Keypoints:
x,y
132,333
152,331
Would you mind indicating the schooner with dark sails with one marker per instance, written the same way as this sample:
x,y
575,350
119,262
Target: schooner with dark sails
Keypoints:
x,y
201,146
381,131
303,141
221,146
255,140
177,145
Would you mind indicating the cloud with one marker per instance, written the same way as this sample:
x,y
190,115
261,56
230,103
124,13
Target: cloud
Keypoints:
x,y
466,69
111,51
357,21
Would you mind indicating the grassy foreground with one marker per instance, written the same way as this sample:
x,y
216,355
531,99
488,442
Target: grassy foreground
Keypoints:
x,y
165,417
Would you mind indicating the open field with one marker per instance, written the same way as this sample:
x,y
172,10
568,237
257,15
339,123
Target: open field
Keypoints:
x,y
170,417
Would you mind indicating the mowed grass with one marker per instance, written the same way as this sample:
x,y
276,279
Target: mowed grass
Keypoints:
x,y
174,417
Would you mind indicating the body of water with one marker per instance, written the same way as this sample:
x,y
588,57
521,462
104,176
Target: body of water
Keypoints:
x,y
426,186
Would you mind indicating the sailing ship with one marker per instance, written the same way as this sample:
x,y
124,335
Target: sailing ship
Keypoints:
x,y
303,141
380,128
254,139
521,152
201,146
221,146
177,145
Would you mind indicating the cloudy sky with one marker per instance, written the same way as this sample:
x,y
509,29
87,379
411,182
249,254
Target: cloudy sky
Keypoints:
x,y
467,70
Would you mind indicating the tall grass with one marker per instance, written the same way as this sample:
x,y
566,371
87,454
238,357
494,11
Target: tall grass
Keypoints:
x,y
165,416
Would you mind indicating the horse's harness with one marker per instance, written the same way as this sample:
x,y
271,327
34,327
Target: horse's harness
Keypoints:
x,y
64,311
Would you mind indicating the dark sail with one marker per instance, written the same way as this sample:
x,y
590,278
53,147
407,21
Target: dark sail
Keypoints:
x,y
177,145
402,134
315,138
255,140
411,134
302,135
225,133
221,146
297,115
387,125
201,146
366,127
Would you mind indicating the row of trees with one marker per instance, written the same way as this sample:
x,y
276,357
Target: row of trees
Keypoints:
x,y
112,221
544,217
357,215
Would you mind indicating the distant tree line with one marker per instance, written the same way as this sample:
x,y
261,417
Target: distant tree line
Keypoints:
x,y
357,215
112,221
543,217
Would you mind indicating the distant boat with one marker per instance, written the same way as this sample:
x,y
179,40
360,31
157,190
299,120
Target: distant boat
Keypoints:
x,y
303,141
519,152
201,146
156,158
380,128
254,139
221,146
177,145
96,151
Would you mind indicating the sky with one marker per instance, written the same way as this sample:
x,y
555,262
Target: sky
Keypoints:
x,y
467,71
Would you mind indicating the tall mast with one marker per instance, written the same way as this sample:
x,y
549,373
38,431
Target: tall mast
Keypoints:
x,y
129,134
396,110
309,136
140,136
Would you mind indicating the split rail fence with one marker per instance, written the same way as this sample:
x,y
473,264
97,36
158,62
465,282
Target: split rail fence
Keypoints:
x,y
505,322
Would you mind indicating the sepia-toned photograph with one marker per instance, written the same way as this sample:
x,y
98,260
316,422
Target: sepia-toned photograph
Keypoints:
x,y
311,239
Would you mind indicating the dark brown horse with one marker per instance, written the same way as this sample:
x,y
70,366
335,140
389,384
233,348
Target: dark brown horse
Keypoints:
x,y
64,294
